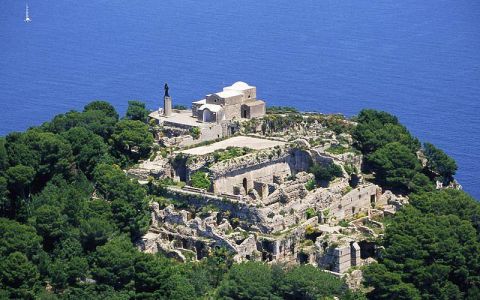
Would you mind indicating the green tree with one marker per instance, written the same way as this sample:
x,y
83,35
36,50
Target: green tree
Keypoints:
x,y
375,129
309,282
95,232
47,153
103,106
18,276
444,202
421,183
50,224
19,152
4,199
128,199
249,280
132,140
159,278
439,162
69,197
372,115
69,265
99,122
114,263
3,155
20,180
63,122
388,285
195,132
88,148
17,237
209,272
395,165
136,111
152,274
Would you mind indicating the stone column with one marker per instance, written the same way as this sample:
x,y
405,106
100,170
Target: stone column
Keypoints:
x,y
167,106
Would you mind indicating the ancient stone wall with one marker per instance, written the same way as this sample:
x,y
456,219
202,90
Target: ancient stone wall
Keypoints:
x,y
212,132
237,208
360,199
232,111
241,174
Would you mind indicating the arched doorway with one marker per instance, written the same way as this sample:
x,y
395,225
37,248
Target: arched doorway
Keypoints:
x,y
209,116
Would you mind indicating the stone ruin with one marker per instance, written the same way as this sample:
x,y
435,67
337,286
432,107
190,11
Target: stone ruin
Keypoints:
x,y
260,205
259,208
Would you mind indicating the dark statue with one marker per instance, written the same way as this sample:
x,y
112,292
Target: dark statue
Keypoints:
x,y
166,90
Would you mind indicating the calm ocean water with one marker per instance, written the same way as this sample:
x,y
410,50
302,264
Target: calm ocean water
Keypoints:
x,y
417,59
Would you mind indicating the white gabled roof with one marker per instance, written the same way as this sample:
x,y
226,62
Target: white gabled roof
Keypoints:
x,y
211,107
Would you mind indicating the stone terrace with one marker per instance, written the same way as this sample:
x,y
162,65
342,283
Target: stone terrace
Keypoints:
x,y
237,141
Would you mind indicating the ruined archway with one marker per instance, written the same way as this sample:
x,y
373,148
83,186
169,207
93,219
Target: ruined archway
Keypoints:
x,y
245,185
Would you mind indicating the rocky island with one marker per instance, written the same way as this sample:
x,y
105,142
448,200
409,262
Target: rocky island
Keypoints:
x,y
232,199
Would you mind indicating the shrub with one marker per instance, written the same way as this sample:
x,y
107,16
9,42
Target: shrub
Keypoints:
x,y
195,133
310,213
326,173
338,149
281,110
200,180
310,185
350,169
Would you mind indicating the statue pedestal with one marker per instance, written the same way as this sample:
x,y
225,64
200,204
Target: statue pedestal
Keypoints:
x,y
167,106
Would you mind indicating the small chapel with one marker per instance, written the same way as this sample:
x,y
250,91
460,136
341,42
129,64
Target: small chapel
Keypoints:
x,y
235,102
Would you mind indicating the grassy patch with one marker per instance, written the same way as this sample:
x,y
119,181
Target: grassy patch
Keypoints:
x,y
230,152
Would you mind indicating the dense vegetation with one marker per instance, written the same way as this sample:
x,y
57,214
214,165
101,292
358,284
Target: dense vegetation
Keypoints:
x,y
69,217
325,174
391,152
432,250
254,280
432,246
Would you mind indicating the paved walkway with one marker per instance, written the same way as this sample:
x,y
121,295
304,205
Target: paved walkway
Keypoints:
x,y
237,141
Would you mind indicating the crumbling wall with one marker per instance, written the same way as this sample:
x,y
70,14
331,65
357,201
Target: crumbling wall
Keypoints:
x,y
273,167
360,199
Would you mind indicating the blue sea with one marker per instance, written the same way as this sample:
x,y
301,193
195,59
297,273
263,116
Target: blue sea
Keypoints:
x,y
419,60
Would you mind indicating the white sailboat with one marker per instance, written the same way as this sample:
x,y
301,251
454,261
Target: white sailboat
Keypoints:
x,y
27,17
